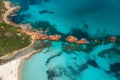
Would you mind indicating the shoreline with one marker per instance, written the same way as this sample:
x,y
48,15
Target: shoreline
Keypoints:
x,y
20,68
13,68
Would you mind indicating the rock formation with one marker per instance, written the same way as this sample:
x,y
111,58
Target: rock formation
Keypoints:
x,y
82,41
112,39
54,37
71,39
40,36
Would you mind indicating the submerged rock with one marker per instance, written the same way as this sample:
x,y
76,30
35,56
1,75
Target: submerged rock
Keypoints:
x,y
71,47
51,74
46,11
69,72
115,67
46,0
52,57
79,33
93,63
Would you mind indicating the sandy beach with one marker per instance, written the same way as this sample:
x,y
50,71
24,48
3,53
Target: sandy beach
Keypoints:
x,y
12,70
9,70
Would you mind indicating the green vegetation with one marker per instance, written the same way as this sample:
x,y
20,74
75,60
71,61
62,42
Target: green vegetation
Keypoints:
x,y
11,39
2,9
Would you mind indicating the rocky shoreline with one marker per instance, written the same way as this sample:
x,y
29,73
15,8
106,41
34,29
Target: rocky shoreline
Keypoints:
x,y
10,9
24,28
14,71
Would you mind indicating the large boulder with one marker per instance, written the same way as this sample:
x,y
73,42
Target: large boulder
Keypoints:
x,y
82,41
44,37
112,39
41,37
54,37
71,39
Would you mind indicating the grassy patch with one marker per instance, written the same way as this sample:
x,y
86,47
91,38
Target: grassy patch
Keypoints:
x,y
11,39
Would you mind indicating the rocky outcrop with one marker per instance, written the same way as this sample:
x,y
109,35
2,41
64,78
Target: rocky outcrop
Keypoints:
x,y
54,37
71,39
112,39
41,36
44,37
82,41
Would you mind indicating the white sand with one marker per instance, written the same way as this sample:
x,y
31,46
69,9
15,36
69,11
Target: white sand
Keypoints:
x,y
9,71
13,69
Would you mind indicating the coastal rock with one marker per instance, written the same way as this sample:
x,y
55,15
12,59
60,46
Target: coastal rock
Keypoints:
x,y
54,37
41,37
82,41
44,37
28,32
71,39
112,39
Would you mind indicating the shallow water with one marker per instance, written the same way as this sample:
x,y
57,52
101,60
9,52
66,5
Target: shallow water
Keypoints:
x,y
80,18
55,64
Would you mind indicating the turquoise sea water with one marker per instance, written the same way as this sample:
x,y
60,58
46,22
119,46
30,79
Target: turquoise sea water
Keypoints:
x,y
102,16
55,64
81,18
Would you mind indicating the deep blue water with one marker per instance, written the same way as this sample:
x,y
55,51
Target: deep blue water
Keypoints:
x,y
100,16
83,19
